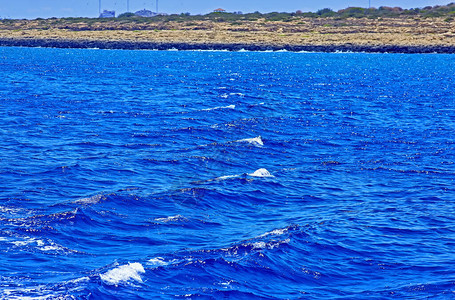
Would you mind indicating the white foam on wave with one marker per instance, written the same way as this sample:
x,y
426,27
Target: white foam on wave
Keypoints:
x,y
42,245
28,241
89,200
219,107
257,141
227,283
227,177
269,245
170,219
78,280
44,292
9,210
123,273
258,173
8,293
159,262
274,232
51,248
261,173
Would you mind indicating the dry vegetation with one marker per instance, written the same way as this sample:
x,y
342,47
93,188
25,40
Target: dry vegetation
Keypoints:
x,y
327,28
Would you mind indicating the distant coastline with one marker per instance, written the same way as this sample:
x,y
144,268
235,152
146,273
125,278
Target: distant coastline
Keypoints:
x,y
132,45
391,30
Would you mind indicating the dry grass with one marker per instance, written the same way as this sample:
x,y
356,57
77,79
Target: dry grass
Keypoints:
x,y
410,31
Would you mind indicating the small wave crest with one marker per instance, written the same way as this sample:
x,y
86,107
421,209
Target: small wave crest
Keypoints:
x,y
261,173
123,274
219,107
89,200
176,218
257,141
269,245
27,243
161,262
258,173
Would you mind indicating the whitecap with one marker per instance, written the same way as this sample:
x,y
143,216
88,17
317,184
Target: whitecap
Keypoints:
x,y
170,219
261,173
269,245
257,141
237,94
274,232
258,173
89,200
28,241
219,107
157,261
123,273
227,177
259,245
4,209
51,248
78,280
227,283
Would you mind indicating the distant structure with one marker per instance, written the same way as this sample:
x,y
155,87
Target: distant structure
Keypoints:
x,y
145,13
219,10
108,14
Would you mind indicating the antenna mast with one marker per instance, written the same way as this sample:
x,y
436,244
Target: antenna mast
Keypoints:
x,y
127,5
156,6
100,7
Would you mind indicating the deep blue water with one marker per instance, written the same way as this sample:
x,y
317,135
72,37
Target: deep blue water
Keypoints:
x,y
140,175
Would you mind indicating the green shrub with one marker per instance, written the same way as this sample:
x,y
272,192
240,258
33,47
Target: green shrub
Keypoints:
x,y
325,12
126,15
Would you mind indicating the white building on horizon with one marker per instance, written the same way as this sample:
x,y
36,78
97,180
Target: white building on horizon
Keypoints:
x,y
107,14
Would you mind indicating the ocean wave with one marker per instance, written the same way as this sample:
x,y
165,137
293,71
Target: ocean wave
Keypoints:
x,y
161,262
288,178
219,107
90,200
257,141
123,274
176,218
261,173
227,177
264,173
32,244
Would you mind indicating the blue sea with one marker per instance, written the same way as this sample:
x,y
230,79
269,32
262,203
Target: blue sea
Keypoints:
x,y
226,175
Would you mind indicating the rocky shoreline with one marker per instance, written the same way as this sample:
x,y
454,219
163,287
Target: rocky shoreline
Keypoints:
x,y
141,45
381,35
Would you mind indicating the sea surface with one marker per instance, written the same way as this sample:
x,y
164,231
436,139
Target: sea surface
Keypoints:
x,y
226,175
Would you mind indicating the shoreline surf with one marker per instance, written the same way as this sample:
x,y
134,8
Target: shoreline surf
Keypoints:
x,y
143,45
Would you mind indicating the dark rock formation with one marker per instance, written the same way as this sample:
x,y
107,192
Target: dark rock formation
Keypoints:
x,y
130,45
